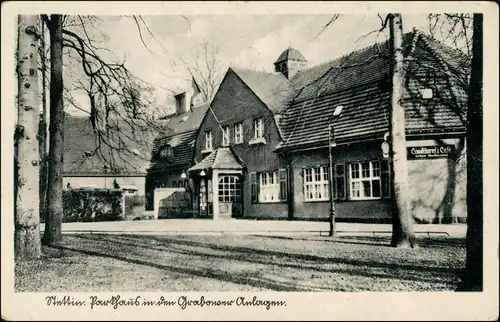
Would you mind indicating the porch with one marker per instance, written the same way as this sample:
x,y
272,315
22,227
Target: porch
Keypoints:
x,y
218,188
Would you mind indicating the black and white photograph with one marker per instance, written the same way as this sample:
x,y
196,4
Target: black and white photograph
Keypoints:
x,y
175,160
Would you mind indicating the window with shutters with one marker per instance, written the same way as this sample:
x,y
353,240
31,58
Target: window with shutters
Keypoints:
x,y
269,186
316,184
369,180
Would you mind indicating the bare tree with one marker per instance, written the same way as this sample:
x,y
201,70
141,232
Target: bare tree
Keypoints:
x,y
464,33
52,234
27,219
454,29
473,278
402,221
117,104
206,68
42,134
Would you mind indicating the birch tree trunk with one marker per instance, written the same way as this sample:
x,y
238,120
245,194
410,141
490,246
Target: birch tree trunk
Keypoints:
x,y
27,217
52,234
402,221
43,127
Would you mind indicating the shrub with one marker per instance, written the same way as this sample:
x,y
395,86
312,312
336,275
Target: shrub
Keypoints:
x,y
90,205
135,206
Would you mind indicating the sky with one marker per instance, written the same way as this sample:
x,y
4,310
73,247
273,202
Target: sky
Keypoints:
x,y
251,41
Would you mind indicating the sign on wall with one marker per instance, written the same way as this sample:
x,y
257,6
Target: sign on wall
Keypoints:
x,y
429,152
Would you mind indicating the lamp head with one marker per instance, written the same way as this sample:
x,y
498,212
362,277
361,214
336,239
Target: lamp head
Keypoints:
x,y
202,173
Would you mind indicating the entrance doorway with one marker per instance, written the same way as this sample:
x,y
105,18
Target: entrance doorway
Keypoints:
x,y
205,197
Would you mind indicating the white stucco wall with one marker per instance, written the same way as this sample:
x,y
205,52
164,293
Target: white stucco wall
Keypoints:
x,y
105,182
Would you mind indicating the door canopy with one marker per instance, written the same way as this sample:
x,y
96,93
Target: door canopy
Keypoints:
x,y
222,158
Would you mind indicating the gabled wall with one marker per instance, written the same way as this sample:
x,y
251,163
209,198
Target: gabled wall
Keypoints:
x,y
233,103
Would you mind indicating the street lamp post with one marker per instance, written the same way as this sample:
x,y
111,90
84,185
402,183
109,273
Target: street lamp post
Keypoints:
x,y
330,176
331,144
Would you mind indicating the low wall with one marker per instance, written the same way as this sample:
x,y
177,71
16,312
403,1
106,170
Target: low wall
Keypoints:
x,y
172,203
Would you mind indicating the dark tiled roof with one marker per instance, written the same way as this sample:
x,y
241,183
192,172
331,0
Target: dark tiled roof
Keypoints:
x,y
183,147
273,89
181,132
124,150
290,54
364,115
222,158
185,122
359,82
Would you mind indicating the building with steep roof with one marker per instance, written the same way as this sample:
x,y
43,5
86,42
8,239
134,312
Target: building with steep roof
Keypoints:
x,y
103,159
173,150
275,129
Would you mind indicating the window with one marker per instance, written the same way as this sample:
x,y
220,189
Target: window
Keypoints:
x,y
225,136
161,184
180,101
369,180
269,186
229,189
180,184
316,184
258,128
208,140
167,152
238,133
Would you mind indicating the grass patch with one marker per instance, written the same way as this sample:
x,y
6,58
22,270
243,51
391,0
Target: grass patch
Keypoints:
x,y
103,262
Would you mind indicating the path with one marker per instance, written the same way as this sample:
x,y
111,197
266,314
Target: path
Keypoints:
x,y
207,227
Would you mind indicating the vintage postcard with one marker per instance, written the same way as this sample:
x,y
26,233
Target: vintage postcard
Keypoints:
x,y
253,160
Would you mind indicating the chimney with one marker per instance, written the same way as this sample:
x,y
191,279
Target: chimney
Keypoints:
x,y
181,103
